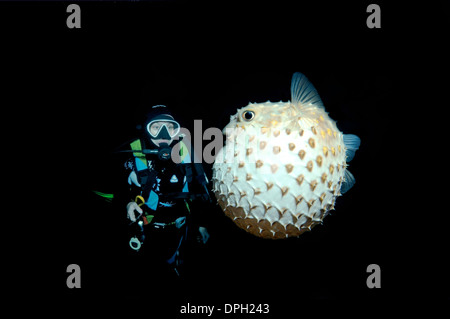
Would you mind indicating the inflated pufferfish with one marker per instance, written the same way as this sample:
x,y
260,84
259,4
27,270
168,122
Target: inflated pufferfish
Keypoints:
x,y
283,165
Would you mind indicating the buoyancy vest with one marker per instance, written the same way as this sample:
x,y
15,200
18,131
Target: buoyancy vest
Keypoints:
x,y
163,182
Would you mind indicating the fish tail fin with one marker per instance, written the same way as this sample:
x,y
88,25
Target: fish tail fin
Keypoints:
x,y
352,143
303,93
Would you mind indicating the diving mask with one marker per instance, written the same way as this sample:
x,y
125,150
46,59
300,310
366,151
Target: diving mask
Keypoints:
x,y
163,128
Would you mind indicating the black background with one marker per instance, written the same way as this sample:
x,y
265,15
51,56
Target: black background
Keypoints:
x,y
76,94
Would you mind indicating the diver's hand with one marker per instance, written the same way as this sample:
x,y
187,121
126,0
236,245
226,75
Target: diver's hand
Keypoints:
x,y
132,208
204,235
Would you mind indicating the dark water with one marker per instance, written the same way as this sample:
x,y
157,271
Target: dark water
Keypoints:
x,y
86,90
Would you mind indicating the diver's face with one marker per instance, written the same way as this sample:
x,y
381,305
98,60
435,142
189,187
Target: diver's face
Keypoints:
x,y
155,129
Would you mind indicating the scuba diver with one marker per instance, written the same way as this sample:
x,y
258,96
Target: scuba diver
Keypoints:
x,y
167,191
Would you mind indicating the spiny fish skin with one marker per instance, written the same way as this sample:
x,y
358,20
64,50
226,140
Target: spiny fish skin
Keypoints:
x,y
282,167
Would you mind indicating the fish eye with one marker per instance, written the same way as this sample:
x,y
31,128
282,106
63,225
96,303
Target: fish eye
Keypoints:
x,y
248,115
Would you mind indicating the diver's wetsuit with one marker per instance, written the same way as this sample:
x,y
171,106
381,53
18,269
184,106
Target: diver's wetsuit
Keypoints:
x,y
162,237
168,190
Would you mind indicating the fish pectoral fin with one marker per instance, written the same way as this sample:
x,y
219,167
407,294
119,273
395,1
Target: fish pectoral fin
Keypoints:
x,y
352,143
349,181
303,93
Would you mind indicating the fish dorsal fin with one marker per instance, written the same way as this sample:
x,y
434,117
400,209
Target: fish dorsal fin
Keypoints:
x,y
303,93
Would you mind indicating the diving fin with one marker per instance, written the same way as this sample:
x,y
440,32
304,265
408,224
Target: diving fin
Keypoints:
x,y
107,197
